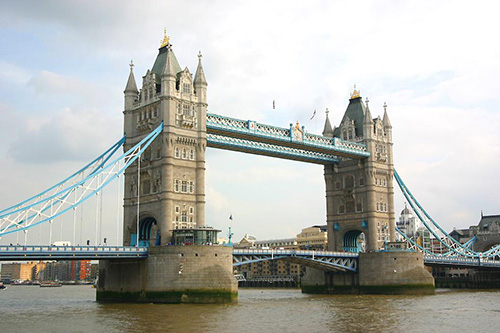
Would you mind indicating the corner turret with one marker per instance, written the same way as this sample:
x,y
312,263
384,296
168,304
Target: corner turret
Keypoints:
x,y
327,130
200,82
130,91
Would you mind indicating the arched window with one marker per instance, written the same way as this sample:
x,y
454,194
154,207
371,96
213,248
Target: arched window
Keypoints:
x,y
348,181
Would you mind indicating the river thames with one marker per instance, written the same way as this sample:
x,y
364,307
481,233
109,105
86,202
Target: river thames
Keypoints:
x,y
74,309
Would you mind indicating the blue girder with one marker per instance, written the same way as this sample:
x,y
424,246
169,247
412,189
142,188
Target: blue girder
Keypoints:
x,y
329,260
252,137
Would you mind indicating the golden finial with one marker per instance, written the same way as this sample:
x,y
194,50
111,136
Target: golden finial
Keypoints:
x,y
166,39
355,93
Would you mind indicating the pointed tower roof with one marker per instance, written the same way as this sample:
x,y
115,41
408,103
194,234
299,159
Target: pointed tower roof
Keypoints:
x,y
386,121
199,77
355,111
368,117
327,130
165,51
131,85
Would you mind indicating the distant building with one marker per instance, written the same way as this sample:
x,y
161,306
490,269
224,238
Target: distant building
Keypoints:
x,y
313,238
77,270
408,223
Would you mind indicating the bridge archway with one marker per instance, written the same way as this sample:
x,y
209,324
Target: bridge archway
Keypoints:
x,y
354,241
148,231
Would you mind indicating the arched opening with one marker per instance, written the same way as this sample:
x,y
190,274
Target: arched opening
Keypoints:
x,y
147,226
354,241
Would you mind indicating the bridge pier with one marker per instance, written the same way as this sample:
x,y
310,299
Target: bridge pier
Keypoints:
x,y
171,274
378,273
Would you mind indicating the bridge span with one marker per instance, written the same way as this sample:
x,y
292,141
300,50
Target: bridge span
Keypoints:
x,y
323,260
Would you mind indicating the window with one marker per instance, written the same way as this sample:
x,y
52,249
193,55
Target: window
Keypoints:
x,y
176,185
146,186
349,181
186,88
191,154
191,210
184,154
184,216
341,209
177,209
191,187
359,206
177,153
184,186
361,182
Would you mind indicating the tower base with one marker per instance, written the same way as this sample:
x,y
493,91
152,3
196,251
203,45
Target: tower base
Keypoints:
x,y
171,274
386,273
394,273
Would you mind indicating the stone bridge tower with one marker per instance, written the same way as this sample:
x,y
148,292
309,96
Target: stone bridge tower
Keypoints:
x,y
169,190
360,193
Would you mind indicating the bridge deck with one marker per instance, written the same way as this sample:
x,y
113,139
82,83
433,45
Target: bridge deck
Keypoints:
x,y
40,252
336,260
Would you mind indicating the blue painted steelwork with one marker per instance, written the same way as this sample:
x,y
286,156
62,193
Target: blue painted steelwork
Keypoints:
x,y
329,260
35,212
278,139
455,247
325,259
262,148
95,165
39,252
432,260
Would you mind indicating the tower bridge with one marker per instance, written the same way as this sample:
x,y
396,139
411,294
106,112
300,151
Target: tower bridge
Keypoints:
x,y
167,130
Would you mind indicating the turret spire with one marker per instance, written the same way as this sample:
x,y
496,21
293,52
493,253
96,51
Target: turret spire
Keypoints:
x,y
199,77
386,120
327,130
168,70
131,85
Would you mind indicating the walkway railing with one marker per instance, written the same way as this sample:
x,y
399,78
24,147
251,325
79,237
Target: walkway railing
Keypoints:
x,y
40,252
252,137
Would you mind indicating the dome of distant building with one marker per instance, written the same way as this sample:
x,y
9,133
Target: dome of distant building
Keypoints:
x,y
405,211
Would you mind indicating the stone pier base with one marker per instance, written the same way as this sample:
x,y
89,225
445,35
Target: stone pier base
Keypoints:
x,y
378,273
394,273
171,274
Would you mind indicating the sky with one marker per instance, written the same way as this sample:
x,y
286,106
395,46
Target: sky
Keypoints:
x,y
64,66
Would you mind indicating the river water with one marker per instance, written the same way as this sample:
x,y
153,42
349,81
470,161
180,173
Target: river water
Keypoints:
x,y
74,309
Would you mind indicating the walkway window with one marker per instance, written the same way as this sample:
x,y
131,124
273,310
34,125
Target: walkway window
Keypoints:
x,y
349,181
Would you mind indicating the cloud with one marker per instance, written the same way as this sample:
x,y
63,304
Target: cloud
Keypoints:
x,y
70,135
